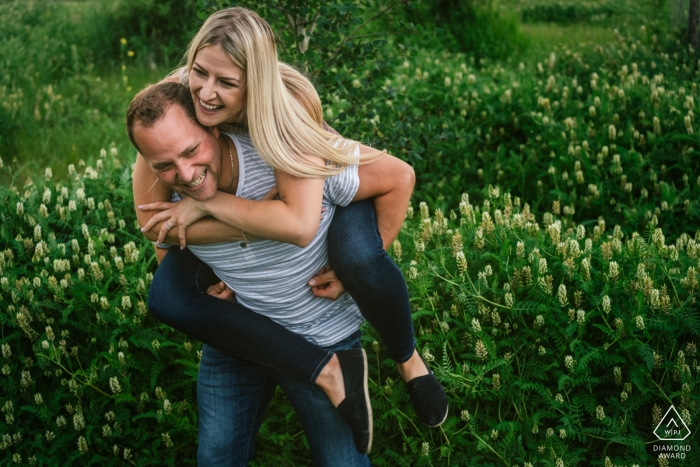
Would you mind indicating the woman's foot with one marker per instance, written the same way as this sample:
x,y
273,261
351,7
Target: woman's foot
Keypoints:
x,y
412,368
344,380
427,394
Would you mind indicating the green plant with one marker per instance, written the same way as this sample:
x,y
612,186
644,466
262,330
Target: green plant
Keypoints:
x,y
60,98
551,340
159,30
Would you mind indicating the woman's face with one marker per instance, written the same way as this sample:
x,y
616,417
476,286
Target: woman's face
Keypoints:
x,y
217,86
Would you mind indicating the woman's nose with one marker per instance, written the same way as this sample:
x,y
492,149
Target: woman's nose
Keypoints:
x,y
207,93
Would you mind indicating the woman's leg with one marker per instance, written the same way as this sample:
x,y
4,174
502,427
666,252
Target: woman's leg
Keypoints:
x,y
371,277
178,297
377,285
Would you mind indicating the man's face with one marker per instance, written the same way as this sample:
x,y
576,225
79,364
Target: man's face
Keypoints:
x,y
184,156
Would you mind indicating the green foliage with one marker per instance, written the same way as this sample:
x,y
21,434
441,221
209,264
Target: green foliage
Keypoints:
x,y
550,337
85,369
482,29
562,330
553,341
576,126
158,29
564,12
56,105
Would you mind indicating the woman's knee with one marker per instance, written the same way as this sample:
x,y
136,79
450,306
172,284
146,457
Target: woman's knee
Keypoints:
x,y
354,243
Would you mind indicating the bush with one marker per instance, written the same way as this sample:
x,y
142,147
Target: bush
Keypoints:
x,y
605,129
51,91
159,29
553,342
548,339
85,377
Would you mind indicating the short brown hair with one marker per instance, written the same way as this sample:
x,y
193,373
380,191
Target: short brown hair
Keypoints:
x,y
151,103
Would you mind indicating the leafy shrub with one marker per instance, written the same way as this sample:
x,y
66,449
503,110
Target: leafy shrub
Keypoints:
x,y
51,90
481,29
556,344
83,365
605,129
550,340
159,29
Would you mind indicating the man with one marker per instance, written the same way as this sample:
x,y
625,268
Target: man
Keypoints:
x,y
199,163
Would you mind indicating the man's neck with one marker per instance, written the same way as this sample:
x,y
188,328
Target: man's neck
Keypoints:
x,y
228,181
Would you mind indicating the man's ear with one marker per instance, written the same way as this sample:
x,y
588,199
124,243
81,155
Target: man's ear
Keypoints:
x,y
215,131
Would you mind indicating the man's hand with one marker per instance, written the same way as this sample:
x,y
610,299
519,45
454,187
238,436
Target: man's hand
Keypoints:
x,y
221,291
326,284
181,214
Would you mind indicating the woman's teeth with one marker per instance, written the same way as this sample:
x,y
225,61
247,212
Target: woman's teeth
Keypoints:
x,y
199,180
209,107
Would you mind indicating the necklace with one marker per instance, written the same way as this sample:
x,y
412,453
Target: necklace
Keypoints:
x,y
230,155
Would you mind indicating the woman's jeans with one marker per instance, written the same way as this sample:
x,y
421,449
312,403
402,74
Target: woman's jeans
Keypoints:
x,y
232,395
178,297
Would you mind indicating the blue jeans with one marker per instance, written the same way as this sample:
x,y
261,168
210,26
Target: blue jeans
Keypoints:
x,y
178,298
232,395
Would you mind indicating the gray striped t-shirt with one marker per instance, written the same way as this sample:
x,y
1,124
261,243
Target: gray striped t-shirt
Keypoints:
x,y
270,277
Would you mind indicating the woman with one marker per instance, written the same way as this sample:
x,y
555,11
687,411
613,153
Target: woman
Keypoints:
x,y
235,78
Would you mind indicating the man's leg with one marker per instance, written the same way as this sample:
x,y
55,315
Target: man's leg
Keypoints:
x,y
232,396
330,438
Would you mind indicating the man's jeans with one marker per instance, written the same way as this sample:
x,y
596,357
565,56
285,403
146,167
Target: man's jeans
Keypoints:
x,y
232,395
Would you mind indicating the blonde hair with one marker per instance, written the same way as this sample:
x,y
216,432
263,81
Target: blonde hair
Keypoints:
x,y
282,109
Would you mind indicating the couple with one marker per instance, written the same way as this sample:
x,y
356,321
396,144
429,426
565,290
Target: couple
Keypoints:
x,y
217,139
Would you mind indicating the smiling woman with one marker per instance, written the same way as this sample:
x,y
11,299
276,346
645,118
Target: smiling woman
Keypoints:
x,y
217,86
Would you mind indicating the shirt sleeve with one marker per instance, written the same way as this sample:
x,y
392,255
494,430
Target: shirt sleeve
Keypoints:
x,y
340,189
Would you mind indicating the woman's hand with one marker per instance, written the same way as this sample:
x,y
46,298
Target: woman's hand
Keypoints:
x,y
181,214
326,284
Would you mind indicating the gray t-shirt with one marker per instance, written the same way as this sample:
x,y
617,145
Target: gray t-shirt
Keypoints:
x,y
270,277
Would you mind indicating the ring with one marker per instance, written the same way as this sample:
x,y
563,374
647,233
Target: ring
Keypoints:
x,y
167,226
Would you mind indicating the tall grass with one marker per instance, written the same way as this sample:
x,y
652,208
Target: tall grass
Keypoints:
x,y
63,95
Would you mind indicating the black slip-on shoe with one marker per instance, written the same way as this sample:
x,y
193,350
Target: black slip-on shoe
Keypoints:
x,y
356,409
428,398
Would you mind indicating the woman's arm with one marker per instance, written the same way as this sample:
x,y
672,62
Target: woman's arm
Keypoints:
x,y
294,218
390,182
148,189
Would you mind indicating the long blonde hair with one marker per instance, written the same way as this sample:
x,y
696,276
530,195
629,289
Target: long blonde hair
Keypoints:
x,y
284,129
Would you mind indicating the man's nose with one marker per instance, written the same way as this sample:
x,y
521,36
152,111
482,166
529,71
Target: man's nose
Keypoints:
x,y
186,172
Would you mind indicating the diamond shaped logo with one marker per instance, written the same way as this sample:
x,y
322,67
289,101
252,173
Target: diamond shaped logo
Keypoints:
x,y
672,427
